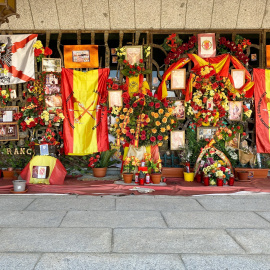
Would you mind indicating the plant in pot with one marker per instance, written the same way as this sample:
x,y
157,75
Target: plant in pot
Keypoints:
x,y
155,169
130,164
99,162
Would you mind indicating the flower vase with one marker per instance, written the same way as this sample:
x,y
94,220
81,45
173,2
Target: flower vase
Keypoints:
x,y
99,172
128,177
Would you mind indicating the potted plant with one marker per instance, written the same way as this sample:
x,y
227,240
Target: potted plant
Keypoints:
x,y
130,164
242,175
101,161
154,168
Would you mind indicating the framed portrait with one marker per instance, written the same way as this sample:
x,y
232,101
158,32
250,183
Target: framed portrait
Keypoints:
x,y
7,113
53,101
113,51
207,45
9,131
253,57
178,79
134,54
235,110
210,104
51,89
177,139
238,76
13,94
51,65
205,133
179,110
114,59
51,79
115,98
234,143
81,56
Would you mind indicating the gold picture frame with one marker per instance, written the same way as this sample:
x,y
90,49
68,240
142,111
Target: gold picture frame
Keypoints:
x,y
177,139
51,65
238,76
206,133
115,98
235,110
178,79
134,54
9,131
234,143
179,110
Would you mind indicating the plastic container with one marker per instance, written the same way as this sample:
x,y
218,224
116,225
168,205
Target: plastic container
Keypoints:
x,y
19,185
189,177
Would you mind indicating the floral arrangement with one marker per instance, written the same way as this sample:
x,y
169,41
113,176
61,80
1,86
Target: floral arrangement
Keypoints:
x,y
152,166
57,119
49,137
40,51
136,69
103,159
130,163
146,118
4,96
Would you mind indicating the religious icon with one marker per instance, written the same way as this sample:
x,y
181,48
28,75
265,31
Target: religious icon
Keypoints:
x,y
206,45
235,110
133,54
177,139
234,143
178,79
179,110
115,98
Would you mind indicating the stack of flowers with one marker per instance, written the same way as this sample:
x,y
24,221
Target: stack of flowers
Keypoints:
x,y
40,51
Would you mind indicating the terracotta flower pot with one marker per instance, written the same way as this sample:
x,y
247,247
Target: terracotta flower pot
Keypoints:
x,y
243,176
156,178
99,172
8,174
128,177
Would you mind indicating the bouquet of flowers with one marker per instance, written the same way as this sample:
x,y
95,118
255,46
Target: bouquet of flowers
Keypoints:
x,y
152,166
103,159
4,96
131,163
40,51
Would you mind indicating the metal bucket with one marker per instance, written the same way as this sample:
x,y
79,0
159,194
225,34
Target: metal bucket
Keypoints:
x,y
19,185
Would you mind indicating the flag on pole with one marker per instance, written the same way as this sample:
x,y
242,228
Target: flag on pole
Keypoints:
x,y
85,125
262,106
17,58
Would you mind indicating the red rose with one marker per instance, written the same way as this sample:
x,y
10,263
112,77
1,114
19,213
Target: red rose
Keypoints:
x,y
125,95
47,51
234,132
130,72
160,137
115,86
138,68
238,127
230,135
141,60
157,105
143,132
166,104
244,133
214,85
151,104
152,139
127,106
143,137
134,105
37,52
125,61
197,86
142,102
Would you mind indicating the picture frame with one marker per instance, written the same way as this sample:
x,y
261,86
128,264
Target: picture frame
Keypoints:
x,y
179,110
207,45
81,56
7,119
253,57
238,76
113,51
177,139
51,65
9,131
206,133
13,94
114,59
235,110
53,101
178,79
51,79
134,54
115,98
234,143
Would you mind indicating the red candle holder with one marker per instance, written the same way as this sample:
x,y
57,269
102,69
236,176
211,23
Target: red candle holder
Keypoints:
x,y
198,177
231,181
141,181
219,182
206,180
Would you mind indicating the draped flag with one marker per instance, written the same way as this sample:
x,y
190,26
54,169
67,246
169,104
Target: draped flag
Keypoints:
x,y
262,106
85,125
17,58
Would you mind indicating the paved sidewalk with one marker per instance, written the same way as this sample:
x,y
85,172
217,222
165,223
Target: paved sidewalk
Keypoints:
x,y
135,232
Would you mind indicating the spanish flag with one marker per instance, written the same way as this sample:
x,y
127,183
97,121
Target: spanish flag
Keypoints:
x,y
85,125
262,106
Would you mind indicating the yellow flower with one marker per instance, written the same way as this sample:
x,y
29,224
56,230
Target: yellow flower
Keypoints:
x,y
122,116
160,111
121,125
124,131
125,110
162,129
38,44
156,115
132,131
160,143
170,110
142,115
117,120
172,121
3,92
167,114
154,130
115,125
168,127
118,131
130,110
164,120
165,138
158,123
142,125
147,120
152,113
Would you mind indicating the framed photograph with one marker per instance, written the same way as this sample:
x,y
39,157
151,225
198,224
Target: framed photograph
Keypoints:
x,y
207,45
179,110
115,98
9,132
81,56
7,113
234,143
113,51
134,54
51,79
253,57
177,139
238,76
53,101
210,104
51,89
235,110
178,79
51,65
205,133
13,94
40,172
114,59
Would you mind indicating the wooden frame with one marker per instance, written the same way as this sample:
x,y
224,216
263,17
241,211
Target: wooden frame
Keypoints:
x,y
9,131
178,79
206,133
177,139
235,110
234,143
207,45
115,98
15,109
51,65
238,76
179,110
134,54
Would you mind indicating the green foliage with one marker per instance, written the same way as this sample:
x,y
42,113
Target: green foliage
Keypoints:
x,y
105,157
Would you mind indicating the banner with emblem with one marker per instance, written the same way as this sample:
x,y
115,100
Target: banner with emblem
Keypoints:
x,y
85,125
17,58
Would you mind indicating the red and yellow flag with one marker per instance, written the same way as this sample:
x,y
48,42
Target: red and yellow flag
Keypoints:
x,y
262,106
85,125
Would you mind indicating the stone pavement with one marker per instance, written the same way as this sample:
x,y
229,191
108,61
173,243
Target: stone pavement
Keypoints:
x,y
135,232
